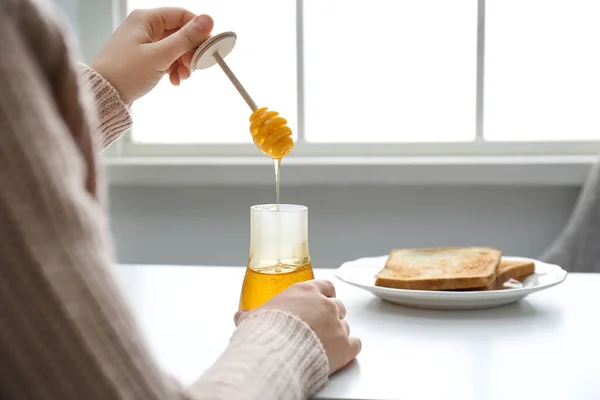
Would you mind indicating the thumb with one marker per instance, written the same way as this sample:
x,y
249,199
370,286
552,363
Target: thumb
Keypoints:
x,y
239,317
190,36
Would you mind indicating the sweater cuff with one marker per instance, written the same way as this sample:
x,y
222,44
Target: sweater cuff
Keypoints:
x,y
113,115
272,355
298,349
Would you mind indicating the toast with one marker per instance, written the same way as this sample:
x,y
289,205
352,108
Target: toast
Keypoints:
x,y
512,269
444,268
508,269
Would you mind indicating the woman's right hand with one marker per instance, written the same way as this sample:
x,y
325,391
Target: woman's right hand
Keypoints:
x,y
314,302
149,44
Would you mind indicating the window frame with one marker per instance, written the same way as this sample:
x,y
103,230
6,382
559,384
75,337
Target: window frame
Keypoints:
x,y
303,149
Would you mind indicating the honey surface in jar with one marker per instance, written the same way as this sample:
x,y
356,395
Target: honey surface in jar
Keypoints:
x,y
270,133
261,284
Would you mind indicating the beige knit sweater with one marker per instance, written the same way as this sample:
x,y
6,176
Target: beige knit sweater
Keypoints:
x,y
65,331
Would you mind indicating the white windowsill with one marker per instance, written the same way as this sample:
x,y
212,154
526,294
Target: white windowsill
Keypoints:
x,y
498,170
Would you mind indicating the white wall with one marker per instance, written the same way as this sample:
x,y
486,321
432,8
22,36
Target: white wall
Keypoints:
x,y
210,225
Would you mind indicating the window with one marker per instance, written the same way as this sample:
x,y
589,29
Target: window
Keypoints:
x,y
542,71
389,77
207,108
390,71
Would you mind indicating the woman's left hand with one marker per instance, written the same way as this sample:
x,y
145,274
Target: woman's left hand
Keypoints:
x,y
149,44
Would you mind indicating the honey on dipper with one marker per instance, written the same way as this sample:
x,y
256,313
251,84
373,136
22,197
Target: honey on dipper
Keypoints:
x,y
273,137
270,133
279,255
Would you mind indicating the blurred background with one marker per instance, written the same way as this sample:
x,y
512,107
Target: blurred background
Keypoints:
x,y
418,123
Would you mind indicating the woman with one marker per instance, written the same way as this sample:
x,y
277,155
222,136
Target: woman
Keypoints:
x,y
65,331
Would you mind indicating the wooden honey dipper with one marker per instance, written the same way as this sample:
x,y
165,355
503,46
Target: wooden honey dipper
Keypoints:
x,y
270,132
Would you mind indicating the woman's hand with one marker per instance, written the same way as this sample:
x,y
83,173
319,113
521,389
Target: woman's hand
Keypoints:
x,y
315,303
148,44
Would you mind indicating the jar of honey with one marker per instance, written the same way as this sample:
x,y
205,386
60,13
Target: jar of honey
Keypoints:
x,y
279,255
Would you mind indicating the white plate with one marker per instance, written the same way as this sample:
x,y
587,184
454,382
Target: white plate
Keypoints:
x,y
362,272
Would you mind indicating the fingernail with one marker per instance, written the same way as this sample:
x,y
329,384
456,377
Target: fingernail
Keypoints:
x,y
202,22
237,315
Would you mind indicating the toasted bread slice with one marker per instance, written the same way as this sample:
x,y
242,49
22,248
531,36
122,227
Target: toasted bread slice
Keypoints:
x,y
445,268
509,269
513,269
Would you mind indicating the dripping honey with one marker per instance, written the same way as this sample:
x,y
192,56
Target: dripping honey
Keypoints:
x,y
277,164
273,137
265,279
262,283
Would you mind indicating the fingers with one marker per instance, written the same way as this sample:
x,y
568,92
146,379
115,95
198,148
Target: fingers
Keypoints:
x,y
239,317
190,36
186,59
178,72
325,287
236,316
183,72
172,67
174,78
173,17
355,346
345,326
161,22
341,307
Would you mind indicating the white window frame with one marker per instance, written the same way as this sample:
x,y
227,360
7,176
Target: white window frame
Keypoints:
x,y
546,162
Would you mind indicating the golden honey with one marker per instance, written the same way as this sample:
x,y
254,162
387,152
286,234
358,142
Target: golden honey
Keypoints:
x,y
265,279
270,133
273,137
261,284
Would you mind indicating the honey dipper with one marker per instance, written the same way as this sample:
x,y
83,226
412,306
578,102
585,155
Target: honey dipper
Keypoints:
x,y
269,131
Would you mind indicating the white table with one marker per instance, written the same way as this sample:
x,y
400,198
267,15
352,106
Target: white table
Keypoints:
x,y
545,347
